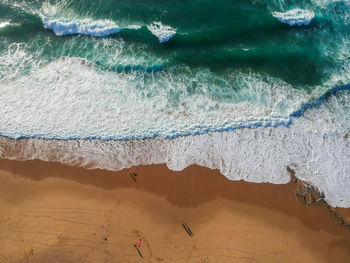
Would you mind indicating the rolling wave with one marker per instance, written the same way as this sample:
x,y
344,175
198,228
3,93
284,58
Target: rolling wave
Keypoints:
x,y
91,28
295,17
103,28
4,24
162,32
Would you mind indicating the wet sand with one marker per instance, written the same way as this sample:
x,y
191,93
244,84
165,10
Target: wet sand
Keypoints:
x,y
55,213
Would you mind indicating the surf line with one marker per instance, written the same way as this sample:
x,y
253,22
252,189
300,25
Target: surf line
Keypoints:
x,y
205,130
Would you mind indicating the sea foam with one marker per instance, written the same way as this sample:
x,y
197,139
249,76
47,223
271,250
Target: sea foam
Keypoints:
x,y
75,114
316,146
102,28
71,98
4,24
162,32
295,17
85,27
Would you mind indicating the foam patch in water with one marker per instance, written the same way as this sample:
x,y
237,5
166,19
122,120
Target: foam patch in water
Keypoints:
x,y
4,24
295,17
91,28
162,32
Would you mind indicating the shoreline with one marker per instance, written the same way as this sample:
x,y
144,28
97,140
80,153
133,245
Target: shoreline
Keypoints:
x,y
266,222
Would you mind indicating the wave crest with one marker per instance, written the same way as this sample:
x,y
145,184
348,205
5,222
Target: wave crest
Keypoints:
x,y
4,24
99,28
295,17
162,32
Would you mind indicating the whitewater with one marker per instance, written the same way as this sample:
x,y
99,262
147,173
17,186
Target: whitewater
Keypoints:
x,y
249,94
315,146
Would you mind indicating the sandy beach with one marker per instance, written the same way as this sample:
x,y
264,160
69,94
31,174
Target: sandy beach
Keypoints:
x,y
55,213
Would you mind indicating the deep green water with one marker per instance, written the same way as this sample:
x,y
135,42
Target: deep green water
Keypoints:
x,y
217,35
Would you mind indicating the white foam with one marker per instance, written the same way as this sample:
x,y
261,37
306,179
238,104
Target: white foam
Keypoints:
x,y
70,98
315,146
99,28
162,32
4,24
13,61
295,17
64,21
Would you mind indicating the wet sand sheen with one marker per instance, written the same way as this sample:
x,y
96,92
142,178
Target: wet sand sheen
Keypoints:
x,y
55,213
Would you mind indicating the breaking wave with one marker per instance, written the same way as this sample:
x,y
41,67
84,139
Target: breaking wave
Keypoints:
x,y
100,28
4,24
162,32
295,17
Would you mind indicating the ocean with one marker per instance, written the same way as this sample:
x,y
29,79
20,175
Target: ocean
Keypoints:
x,y
249,87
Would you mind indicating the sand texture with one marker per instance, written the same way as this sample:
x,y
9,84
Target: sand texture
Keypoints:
x,y
55,213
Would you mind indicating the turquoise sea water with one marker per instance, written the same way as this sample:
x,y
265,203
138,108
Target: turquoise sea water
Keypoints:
x,y
216,35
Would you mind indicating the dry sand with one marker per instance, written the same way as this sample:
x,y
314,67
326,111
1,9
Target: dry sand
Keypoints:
x,y
55,213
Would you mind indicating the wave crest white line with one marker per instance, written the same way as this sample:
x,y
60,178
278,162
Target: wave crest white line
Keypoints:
x,y
4,24
99,28
162,32
295,17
